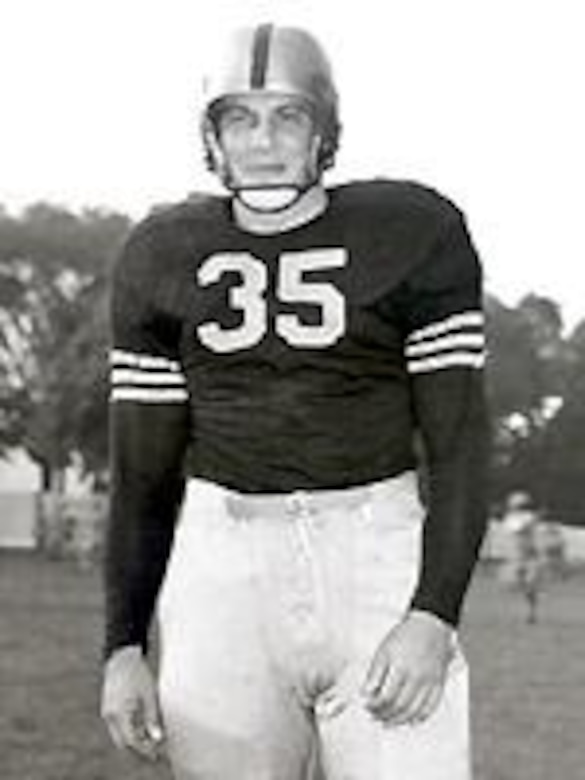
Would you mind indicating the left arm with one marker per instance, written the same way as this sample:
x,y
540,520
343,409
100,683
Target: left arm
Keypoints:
x,y
444,357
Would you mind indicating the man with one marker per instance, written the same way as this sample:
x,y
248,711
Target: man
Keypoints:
x,y
527,562
277,354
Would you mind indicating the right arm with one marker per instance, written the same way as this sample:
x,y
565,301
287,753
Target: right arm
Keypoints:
x,y
145,495
149,428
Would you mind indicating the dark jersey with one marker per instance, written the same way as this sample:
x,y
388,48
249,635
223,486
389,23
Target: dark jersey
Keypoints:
x,y
308,359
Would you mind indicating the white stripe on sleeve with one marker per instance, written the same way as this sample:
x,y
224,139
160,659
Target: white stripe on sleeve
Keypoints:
x,y
448,360
120,357
146,378
453,323
150,395
455,341
446,343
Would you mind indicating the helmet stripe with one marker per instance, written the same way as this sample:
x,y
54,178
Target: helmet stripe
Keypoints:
x,y
260,52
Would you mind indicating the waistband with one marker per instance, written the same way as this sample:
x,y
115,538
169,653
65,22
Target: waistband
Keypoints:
x,y
248,506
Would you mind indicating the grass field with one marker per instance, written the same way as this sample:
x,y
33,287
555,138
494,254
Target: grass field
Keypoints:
x,y
528,681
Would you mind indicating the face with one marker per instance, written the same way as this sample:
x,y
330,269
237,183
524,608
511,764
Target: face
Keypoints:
x,y
268,140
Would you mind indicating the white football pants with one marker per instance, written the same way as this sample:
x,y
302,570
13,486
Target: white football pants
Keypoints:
x,y
270,613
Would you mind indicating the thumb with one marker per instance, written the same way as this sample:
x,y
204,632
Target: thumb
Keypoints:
x,y
152,717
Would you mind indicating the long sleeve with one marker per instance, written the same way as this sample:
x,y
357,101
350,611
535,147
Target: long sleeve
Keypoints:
x,y
148,436
445,354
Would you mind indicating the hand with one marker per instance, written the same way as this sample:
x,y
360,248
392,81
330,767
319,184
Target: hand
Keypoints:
x,y
405,681
129,704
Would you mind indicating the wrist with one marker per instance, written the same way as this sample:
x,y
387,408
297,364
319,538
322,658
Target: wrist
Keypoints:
x,y
123,655
425,617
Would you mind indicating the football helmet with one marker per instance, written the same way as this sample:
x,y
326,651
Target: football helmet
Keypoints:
x,y
272,59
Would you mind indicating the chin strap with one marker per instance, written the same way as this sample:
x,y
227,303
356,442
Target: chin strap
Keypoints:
x,y
269,200
264,199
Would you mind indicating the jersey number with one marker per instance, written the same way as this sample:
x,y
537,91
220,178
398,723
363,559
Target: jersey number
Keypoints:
x,y
249,298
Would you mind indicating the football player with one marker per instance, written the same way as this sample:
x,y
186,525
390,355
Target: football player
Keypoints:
x,y
278,352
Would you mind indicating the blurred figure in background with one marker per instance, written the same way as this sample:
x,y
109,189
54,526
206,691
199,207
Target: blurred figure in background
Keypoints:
x,y
526,567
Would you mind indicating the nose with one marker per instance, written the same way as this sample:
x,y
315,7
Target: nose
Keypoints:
x,y
262,136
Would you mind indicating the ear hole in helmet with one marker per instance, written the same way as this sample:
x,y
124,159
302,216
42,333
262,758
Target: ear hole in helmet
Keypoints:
x,y
213,155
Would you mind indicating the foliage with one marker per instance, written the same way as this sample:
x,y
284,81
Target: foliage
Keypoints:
x,y
535,381
563,445
53,270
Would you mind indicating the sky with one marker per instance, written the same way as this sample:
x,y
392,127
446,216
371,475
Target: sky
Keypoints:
x,y
477,98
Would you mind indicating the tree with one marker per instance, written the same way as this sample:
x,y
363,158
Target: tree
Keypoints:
x,y
526,384
564,442
53,270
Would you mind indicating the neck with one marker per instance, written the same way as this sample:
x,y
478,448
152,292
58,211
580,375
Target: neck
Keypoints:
x,y
310,205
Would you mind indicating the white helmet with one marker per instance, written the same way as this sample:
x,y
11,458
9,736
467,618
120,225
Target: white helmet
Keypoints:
x,y
275,59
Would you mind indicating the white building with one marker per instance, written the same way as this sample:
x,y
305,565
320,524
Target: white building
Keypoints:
x,y
19,490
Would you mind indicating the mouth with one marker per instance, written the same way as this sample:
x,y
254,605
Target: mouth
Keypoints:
x,y
265,169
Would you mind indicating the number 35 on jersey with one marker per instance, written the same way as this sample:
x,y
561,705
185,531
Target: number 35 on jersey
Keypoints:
x,y
248,297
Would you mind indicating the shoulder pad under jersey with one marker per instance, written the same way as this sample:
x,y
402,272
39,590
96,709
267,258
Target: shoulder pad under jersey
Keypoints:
x,y
395,224
163,227
396,199
197,208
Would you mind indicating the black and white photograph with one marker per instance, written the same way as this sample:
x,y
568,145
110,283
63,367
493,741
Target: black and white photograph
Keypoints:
x,y
292,390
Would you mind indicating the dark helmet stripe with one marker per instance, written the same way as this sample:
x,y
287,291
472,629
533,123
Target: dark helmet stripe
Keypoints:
x,y
260,52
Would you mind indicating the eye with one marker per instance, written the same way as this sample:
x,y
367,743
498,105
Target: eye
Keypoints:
x,y
295,115
234,117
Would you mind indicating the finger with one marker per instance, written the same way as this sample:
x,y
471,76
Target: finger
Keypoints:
x,y
420,708
131,729
114,731
408,707
127,731
396,706
140,738
430,704
152,719
386,695
375,676
122,729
